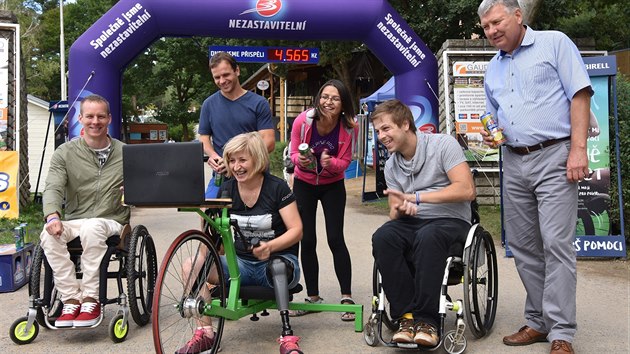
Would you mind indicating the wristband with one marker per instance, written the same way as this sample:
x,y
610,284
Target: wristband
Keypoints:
x,y
51,220
417,198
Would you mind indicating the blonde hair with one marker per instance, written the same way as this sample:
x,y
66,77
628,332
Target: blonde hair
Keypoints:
x,y
253,145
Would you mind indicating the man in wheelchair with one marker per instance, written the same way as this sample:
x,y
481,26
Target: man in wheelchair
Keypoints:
x,y
85,174
430,187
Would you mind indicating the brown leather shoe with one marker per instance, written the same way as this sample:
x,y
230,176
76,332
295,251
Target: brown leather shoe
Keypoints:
x,y
561,347
525,336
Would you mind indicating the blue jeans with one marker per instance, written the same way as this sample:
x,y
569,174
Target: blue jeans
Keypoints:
x,y
255,272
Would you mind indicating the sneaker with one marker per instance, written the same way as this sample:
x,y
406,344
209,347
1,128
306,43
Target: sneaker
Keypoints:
x,y
90,313
70,311
426,335
405,332
289,345
200,342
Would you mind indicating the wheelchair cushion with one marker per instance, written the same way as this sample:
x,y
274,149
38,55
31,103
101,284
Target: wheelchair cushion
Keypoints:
x,y
264,293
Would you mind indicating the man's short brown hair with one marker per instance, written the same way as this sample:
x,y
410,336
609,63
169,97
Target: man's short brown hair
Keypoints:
x,y
398,111
94,98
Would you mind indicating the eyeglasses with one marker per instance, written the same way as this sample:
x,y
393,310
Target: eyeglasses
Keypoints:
x,y
335,99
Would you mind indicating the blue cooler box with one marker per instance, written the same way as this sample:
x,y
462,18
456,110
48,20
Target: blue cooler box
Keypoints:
x,y
15,266
353,170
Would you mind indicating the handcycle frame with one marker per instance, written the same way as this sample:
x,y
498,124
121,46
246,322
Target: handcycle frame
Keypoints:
x,y
234,306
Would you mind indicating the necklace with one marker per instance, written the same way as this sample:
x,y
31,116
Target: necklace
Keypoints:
x,y
249,197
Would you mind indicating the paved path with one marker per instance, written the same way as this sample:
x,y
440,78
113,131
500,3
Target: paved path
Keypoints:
x,y
603,302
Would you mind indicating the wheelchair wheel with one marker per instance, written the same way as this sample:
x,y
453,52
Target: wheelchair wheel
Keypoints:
x,y
181,290
377,288
480,283
17,333
369,334
118,328
42,289
454,345
141,274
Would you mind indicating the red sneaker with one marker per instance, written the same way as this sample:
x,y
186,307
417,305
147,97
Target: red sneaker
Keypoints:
x,y
89,315
200,342
70,311
289,345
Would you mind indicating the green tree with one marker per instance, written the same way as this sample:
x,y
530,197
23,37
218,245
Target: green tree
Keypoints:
x,y
606,21
179,80
623,102
435,21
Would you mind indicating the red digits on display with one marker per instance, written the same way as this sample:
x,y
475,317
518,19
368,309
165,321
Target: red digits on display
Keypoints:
x,y
278,54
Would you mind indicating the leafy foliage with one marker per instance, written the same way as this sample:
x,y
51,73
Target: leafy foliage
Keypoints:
x,y
31,214
435,21
623,98
604,20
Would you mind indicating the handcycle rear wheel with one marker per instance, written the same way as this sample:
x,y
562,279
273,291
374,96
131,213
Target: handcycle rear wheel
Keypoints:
x,y
179,289
141,270
480,283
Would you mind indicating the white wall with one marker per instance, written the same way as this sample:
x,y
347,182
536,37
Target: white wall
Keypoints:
x,y
37,123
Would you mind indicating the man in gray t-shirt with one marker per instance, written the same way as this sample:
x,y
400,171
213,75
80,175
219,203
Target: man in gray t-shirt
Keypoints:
x,y
430,188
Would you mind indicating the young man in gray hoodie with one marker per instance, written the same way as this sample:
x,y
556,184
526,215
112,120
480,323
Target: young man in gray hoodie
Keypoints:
x,y
429,189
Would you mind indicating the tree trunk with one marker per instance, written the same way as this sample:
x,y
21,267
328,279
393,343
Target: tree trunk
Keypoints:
x,y
529,7
185,136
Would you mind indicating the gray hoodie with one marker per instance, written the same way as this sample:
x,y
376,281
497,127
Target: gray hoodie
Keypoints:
x,y
427,171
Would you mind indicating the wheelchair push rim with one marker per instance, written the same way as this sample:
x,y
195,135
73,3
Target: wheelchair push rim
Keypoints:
x,y
481,283
141,270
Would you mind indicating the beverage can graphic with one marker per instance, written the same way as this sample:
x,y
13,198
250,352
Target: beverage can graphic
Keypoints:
x,y
490,125
305,150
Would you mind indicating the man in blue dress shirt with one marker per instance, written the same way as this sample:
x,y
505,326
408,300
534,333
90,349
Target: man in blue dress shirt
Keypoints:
x,y
539,92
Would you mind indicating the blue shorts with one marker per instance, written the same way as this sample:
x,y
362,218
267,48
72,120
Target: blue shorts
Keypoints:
x,y
212,191
255,272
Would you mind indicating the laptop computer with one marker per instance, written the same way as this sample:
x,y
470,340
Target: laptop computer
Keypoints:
x,y
164,174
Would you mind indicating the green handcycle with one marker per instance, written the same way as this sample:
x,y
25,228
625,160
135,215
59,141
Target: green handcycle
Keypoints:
x,y
181,294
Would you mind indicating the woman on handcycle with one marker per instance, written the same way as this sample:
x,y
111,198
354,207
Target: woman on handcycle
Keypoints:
x,y
268,219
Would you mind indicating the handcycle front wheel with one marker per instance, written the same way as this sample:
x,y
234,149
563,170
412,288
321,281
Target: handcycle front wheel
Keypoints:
x,y
182,285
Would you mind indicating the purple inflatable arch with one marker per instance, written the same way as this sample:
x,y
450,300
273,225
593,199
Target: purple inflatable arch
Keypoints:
x,y
97,58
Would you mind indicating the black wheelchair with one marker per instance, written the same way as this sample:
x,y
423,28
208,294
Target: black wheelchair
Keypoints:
x,y
475,265
134,251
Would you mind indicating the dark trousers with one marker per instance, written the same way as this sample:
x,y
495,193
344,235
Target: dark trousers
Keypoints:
x,y
411,256
333,199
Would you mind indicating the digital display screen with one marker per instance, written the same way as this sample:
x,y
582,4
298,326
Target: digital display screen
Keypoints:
x,y
292,55
286,55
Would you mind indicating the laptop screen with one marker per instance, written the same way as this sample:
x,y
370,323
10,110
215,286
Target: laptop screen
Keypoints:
x,y
164,174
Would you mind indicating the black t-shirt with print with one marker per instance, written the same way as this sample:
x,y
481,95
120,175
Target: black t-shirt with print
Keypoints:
x,y
263,220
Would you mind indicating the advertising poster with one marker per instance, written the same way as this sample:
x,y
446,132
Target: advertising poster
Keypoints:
x,y
470,104
593,234
9,206
4,91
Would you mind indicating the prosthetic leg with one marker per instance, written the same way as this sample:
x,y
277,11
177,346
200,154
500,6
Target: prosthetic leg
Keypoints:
x,y
280,271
